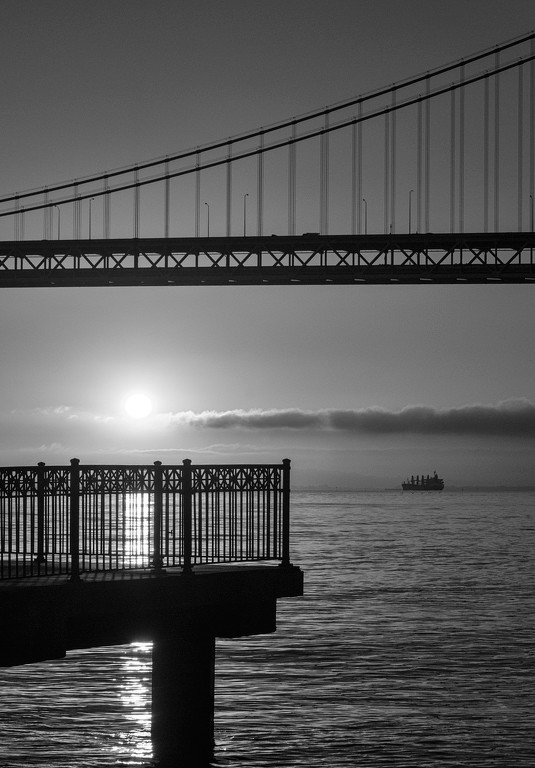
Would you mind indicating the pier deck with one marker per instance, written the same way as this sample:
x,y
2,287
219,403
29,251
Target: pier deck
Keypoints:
x,y
47,616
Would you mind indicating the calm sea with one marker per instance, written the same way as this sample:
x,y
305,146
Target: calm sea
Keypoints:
x,y
413,647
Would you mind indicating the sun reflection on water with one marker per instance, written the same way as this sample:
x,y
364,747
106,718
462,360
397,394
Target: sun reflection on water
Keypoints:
x,y
135,696
137,539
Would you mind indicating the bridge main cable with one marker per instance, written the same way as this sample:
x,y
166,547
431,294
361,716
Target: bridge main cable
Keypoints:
x,y
263,149
261,132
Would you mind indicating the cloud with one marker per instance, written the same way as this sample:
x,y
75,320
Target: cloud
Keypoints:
x,y
513,418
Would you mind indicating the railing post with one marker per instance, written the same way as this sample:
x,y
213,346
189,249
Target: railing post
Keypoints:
x,y
74,515
187,515
285,512
40,556
157,560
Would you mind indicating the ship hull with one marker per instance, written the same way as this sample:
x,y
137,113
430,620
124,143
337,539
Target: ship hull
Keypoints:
x,y
427,487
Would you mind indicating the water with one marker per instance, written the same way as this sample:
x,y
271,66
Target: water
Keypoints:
x,y
413,647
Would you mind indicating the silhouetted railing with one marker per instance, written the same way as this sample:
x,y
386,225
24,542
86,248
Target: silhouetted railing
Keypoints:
x,y
75,519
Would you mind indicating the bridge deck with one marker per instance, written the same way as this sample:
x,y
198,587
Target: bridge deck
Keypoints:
x,y
271,260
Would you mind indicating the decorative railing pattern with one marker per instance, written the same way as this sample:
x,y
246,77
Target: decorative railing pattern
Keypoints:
x,y
75,519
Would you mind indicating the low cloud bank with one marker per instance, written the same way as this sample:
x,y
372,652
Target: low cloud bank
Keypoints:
x,y
509,418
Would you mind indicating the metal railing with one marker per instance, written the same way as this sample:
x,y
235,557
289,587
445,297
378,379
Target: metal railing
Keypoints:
x,y
85,518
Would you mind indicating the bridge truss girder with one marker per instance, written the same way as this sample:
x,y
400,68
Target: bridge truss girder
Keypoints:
x,y
309,259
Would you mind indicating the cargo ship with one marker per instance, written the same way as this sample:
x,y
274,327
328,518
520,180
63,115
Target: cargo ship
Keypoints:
x,y
434,483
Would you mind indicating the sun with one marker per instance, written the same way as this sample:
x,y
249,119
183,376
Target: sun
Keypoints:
x,y
138,405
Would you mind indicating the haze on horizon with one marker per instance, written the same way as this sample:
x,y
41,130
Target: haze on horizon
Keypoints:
x,y
359,385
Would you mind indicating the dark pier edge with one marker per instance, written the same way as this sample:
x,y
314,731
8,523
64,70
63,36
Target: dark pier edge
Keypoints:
x,y
182,615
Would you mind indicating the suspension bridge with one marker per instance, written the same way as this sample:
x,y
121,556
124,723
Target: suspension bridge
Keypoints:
x,y
430,179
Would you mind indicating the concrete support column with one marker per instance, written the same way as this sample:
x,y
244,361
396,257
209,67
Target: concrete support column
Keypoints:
x,y
183,666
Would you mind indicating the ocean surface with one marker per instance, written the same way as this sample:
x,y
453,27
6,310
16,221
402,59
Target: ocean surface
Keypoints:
x,y
413,647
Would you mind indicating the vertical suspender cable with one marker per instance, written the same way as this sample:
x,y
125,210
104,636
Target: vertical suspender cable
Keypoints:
x,y
291,183
359,171
419,184
327,140
106,209
453,126
197,195
229,188
386,190
486,158
531,143
16,220
427,151
76,213
46,216
354,179
167,191
393,166
324,178
497,147
520,145
461,151
260,188
532,135
136,204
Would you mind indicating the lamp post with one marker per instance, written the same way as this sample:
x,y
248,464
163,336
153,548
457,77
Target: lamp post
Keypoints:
x,y
59,219
245,213
531,222
410,209
365,215
207,219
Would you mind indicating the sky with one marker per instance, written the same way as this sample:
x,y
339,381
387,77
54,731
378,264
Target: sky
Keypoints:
x,y
359,386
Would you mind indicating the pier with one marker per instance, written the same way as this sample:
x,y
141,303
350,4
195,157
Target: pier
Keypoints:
x,y
177,555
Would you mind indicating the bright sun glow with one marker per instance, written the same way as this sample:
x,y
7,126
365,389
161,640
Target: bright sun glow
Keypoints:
x,y
138,405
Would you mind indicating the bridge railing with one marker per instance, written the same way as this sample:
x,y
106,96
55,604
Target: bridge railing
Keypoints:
x,y
71,520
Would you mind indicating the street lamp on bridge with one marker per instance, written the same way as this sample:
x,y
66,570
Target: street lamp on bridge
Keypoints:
x,y
207,219
59,220
365,215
